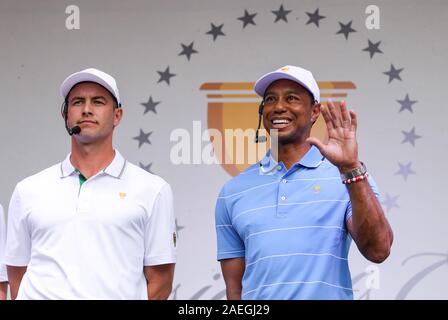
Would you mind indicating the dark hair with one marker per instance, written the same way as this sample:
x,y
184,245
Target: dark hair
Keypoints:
x,y
313,101
114,99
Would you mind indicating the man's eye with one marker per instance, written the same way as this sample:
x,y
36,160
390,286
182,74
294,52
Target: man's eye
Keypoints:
x,y
77,103
291,98
269,99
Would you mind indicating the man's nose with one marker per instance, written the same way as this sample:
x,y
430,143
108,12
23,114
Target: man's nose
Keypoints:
x,y
279,106
87,108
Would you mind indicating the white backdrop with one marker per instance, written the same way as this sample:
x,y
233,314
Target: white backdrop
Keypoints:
x,y
403,142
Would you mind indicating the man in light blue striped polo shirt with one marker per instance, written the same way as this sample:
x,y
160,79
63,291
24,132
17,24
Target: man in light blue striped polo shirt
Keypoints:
x,y
284,226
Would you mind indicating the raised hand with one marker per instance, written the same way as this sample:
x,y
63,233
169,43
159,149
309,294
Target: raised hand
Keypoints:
x,y
342,147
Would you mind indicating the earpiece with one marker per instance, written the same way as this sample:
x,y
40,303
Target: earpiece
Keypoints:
x,y
64,110
260,108
260,114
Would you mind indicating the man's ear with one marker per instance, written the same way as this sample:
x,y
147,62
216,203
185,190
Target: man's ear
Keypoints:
x,y
118,114
64,109
315,113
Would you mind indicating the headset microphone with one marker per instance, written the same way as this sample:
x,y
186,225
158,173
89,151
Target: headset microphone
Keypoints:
x,y
260,114
75,129
72,131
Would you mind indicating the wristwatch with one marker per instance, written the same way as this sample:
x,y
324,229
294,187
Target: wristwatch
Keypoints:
x,y
354,173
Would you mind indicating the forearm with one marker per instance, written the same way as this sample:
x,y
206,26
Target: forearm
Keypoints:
x,y
159,281
159,291
233,270
3,290
233,293
15,275
369,226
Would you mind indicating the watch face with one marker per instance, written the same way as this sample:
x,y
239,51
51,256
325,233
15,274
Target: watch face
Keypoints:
x,y
360,171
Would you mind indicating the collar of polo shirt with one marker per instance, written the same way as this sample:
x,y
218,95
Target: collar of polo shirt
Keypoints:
x,y
114,169
312,159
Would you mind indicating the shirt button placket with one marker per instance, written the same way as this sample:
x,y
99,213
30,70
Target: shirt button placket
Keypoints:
x,y
84,197
282,189
281,210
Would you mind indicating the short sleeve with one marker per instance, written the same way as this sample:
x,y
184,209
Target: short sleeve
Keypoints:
x,y
18,239
3,275
160,230
374,187
229,243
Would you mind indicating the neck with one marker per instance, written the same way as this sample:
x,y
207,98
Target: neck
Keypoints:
x,y
291,153
91,158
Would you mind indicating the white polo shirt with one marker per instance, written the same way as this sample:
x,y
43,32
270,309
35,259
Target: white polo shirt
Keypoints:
x,y
3,276
90,241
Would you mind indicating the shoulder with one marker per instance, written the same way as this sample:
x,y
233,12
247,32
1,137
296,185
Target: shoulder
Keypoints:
x,y
144,179
40,178
246,179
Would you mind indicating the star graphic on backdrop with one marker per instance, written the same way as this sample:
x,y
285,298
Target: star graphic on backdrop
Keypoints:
x,y
393,73
216,31
390,202
147,167
143,138
314,17
410,136
165,75
150,105
406,104
247,18
405,170
346,29
281,14
187,50
178,227
372,48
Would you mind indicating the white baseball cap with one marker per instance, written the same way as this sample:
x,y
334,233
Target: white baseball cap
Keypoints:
x,y
301,76
91,75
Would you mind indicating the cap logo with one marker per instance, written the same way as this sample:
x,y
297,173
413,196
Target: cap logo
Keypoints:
x,y
284,69
122,195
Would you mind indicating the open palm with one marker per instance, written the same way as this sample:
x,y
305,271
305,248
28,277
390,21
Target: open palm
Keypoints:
x,y
342,147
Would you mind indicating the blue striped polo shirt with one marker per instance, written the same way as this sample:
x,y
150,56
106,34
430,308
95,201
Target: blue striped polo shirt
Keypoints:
x,y
290,225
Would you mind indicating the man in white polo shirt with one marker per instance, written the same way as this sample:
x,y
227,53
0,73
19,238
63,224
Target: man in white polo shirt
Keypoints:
x,y
3,276
93,226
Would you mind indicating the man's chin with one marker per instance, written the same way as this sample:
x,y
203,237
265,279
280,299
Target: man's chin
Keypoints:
x,y
280,134
86,137
284,138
